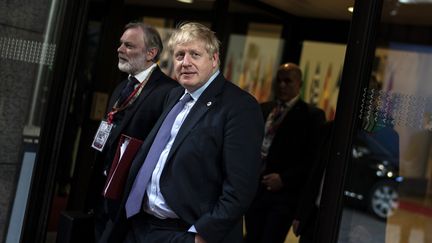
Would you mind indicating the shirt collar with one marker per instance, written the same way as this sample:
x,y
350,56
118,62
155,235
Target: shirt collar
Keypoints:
x,y
143,75
291,102
197,93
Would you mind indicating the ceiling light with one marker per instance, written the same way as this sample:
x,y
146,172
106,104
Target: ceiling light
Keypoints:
x,y
350,9
185,1
414,1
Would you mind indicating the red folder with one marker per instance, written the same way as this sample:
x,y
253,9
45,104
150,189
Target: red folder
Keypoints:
x,y
118,174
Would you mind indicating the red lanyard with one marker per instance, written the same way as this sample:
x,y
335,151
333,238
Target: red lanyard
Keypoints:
x,y
125,104
132,97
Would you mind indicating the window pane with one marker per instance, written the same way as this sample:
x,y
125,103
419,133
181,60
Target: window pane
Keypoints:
x,y
388,190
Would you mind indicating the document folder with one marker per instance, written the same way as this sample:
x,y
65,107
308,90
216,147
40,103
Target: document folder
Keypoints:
x,y
125,153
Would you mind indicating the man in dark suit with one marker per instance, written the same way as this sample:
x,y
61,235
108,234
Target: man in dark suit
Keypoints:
x,y
288,151
205,173
133,109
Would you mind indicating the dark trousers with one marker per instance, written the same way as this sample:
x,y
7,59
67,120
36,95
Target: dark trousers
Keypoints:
x,y
267,225
105,210
308,230
149,229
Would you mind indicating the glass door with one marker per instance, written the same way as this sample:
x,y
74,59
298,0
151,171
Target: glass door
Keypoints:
x,y
38,41
387,195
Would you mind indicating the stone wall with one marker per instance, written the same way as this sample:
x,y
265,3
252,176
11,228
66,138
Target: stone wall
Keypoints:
x,y
22,57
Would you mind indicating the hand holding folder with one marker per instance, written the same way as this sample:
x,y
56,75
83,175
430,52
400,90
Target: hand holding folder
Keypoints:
x,y
125,153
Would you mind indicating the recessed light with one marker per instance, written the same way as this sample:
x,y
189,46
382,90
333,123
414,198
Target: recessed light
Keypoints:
x,y
350,9
415,1
185,1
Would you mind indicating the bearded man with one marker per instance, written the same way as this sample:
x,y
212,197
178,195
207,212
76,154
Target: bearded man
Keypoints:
x,y
134,107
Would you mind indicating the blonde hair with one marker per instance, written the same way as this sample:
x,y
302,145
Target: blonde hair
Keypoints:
x,y
191,31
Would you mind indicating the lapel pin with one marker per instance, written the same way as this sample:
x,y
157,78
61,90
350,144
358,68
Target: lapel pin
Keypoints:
x,y
209,103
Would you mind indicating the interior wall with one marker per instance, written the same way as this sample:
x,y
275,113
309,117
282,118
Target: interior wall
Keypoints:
x,y
22,26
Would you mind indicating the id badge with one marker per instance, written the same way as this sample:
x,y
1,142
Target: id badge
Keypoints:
x,y
101,136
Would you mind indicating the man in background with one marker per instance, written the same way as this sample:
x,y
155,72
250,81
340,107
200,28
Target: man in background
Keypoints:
x,y
288,149
133,109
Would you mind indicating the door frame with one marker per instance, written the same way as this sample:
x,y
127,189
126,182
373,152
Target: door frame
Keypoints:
x,y
69,29
356,73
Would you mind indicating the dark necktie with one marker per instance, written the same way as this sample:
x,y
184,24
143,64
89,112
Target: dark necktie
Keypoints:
x,y
136,195
272,124
127,90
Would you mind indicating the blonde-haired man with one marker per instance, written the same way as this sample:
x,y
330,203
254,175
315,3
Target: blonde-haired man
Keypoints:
x,y
205,173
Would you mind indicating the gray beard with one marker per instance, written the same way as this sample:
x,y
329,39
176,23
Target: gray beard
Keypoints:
x,y
134,65
125,67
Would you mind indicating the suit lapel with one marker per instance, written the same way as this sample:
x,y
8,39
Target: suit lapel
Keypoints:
x,y
293,115
130,112
207,99
115,95
142,153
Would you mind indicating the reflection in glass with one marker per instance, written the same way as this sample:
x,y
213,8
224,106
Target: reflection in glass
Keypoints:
x,y
388,191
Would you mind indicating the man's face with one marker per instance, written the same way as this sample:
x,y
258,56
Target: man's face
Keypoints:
x,y
132,52
287,85
193,66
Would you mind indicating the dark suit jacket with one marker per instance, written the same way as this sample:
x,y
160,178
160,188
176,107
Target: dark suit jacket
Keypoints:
x,y
212,171
307,210
136,120
291,154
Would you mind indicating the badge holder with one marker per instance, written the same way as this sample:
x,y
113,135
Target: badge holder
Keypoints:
x,y
102,135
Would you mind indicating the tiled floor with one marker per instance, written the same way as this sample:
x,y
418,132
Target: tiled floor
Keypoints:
x,y
51,237
410,227
411,223
291,238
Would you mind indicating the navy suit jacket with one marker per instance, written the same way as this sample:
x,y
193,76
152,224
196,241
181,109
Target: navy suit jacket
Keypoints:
x,y
136,121
212,171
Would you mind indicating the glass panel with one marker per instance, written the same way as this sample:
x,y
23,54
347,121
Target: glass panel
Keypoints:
x,y
27,54
388,189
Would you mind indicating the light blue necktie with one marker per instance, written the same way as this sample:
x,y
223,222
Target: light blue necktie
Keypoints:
x,y
136,195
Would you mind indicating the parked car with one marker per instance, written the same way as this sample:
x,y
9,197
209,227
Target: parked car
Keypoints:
x,y
373,178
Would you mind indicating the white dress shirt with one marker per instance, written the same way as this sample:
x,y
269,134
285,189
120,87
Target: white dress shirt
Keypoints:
x,y
143,75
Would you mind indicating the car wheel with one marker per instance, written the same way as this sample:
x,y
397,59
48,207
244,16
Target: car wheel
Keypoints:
x,y
383,199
